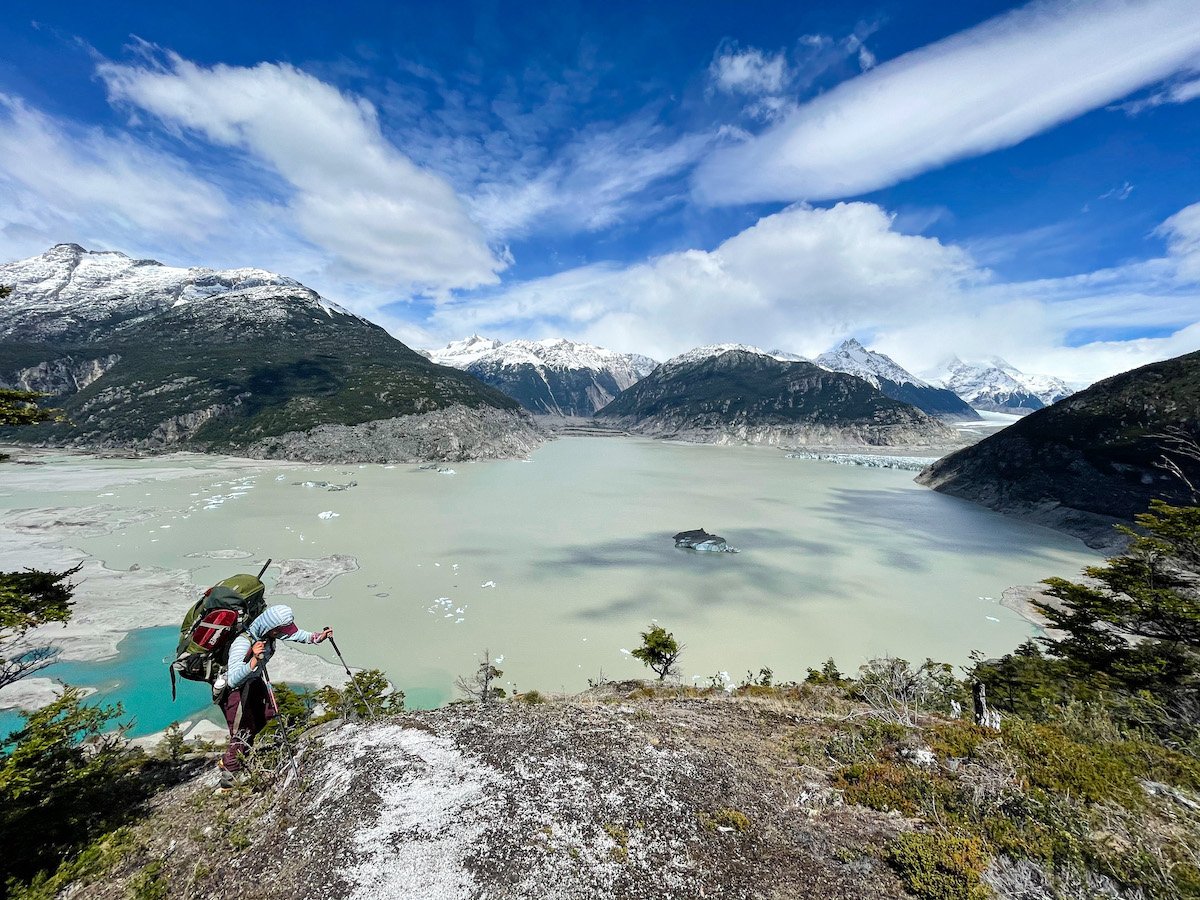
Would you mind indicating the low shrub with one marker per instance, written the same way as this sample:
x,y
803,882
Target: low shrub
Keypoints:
x,y
939,865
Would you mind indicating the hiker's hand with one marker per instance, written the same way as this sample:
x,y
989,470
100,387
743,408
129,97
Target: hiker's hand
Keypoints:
x,y
258,648
323,635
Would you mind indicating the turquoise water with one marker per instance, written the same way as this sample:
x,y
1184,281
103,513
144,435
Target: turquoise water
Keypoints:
x,y
137,679
556,564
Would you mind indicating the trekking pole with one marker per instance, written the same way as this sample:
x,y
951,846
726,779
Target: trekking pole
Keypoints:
x,y
287,743
266,565
361,695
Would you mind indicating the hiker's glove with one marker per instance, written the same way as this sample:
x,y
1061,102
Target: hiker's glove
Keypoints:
x,y
322,635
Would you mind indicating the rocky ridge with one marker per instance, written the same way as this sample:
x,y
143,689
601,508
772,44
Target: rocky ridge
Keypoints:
x,y
1089,461
733,394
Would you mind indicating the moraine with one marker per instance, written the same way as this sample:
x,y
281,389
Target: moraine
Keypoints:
x,y
554,564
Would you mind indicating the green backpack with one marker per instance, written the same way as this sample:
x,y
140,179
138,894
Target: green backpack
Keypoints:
x,y
224,611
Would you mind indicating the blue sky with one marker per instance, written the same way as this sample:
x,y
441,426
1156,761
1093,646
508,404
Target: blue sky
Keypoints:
x,y
932,178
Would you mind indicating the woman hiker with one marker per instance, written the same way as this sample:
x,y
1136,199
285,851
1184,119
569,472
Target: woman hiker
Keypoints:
x,y
247,702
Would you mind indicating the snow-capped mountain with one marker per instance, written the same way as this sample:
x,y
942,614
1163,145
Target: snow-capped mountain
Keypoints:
x,y
998,386
1046,388
69,293
556,375
881,371
733,394
140,354
461,354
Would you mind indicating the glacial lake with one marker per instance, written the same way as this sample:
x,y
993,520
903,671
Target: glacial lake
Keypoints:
x,y
557,563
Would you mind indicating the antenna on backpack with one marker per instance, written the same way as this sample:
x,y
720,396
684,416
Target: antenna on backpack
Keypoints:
x,y
263,569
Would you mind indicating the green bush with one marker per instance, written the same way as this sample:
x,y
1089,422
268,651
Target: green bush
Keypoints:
x,y
64,782
939,865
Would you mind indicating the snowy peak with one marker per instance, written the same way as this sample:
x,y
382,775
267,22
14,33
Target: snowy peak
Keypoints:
x,y
555,375
461,354
556,353
855,359
999,386
71,292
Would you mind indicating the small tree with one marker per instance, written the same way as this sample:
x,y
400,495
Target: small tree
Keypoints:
x,y
64,778
370,686
29,599
1152,591
478,685
659,651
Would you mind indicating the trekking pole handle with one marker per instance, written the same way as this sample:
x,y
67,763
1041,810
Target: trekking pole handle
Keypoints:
x,y
263,569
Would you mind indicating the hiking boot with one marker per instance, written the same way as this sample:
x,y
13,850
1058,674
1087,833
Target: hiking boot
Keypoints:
x,y
228,779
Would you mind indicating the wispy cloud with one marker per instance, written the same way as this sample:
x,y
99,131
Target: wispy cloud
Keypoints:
x,y
60,181
351,192
983,89
750,71
1180,92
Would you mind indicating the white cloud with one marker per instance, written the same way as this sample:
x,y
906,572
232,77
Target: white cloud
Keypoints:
x,y
750,71
805,278
989,87
799,279
353,194
59,182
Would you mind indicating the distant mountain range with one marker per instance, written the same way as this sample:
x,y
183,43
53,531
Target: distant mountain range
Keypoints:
x,y
556,376
1089,460
999,386
882,372
576,379
734,393
144,355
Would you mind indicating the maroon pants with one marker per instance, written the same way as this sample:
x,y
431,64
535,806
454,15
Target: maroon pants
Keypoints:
x,y
256,711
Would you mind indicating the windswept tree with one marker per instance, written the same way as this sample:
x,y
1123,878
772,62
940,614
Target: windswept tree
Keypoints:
x,y
660,651
479,685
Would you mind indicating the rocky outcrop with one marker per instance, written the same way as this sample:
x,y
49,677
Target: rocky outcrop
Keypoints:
x,y
1089,461
456,434
59,377
596,797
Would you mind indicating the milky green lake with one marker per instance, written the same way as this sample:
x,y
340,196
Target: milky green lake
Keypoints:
x,y
555,564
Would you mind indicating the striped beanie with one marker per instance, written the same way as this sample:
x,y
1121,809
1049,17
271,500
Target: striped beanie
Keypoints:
x,y
274,617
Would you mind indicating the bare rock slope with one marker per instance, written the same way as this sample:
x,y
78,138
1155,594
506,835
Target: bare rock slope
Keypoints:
x,y
576,799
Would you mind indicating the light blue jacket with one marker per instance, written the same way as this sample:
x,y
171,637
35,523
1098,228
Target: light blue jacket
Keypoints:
x,y
239,651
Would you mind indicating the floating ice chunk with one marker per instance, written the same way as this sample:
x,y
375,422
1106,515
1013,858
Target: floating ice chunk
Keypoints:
x,y
992,619
389,467
281,478
585,639
447,472
164,526
458,621
500,659
448,616
623,650
488,584
328,514
110,494
439,565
